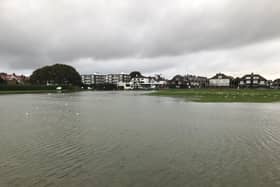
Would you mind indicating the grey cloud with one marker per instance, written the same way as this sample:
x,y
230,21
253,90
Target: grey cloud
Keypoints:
x,y
235,24
131,34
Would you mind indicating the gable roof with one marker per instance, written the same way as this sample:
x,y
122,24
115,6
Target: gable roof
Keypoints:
x,y
176,77
276,81
253,75
223,76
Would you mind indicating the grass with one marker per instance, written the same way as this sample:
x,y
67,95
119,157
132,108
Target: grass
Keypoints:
x,y
223,95
25,91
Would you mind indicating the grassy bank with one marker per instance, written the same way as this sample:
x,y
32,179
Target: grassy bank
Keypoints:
x,y
222,95
26,91
33,89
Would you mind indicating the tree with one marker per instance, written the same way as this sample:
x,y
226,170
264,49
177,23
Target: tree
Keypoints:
x,y
135,74
2,81
58,74
235,82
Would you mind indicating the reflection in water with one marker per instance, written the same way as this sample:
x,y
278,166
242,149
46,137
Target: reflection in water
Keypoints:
x,y
128,139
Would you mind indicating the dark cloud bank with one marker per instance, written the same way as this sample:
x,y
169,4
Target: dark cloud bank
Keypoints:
x,y
178,36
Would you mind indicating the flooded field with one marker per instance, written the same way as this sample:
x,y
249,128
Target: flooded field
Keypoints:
x,y
129,139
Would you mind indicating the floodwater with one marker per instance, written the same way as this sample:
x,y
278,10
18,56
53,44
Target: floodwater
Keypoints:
x,y
126,139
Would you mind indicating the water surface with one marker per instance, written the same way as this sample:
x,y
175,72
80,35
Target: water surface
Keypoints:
x,y
129,139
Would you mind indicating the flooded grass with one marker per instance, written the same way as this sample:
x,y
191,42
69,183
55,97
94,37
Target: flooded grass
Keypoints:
x,y
223,95
26,91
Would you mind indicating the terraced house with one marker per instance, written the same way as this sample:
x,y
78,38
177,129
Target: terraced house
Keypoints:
x,y
253,81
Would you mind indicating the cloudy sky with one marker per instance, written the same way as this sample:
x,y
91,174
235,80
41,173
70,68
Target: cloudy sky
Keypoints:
x,y
153,36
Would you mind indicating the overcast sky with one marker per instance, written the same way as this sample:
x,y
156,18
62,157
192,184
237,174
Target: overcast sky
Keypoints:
x,y
153,36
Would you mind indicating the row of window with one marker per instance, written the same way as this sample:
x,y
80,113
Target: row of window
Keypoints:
x,y
252,82
255,77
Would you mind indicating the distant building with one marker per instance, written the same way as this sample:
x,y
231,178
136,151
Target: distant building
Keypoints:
x,y
160,82
188,81
270,83
93,79
88,79
139,82
178,81
142,82
253,81
131,81
13,79
276,83
125,86
99,79
194,81
220,80
116,78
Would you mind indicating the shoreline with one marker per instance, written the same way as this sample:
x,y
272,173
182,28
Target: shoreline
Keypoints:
x,y
34,89
191,95
11,92
222,95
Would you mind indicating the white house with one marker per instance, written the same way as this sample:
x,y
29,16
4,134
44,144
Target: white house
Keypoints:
x,y
125,85
142,83
220,80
